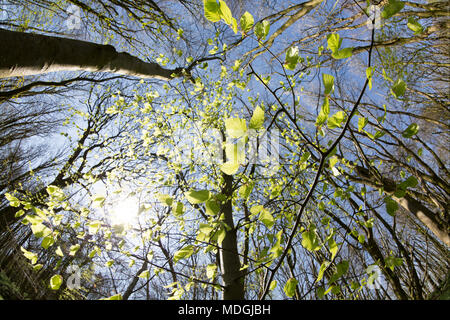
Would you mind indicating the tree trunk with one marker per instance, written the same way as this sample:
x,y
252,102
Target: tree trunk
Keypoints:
x,y
24,54
229,258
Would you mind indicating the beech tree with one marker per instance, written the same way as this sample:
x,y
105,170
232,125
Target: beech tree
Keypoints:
x,y
295,150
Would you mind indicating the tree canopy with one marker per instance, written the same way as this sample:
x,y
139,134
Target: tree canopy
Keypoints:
x,y
224,149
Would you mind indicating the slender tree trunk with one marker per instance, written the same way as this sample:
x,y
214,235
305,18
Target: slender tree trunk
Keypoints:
x,y
24,54
229,258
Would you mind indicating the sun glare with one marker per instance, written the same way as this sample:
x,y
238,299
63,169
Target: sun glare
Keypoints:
x,y
125,211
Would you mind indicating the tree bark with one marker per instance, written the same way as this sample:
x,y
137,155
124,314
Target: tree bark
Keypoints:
x,y
24,54
420,211
229,258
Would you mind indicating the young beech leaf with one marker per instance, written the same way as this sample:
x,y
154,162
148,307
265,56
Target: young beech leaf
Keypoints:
x,y
292,58
343,53
328,82
398,89
257,120
290,286
262,29
412,130
144,274
334,42
184,253
212,10
414,26
246,22
212,207
225,12
310,241
235,127
335,120
55,282
391,206
266,217
114,297
230,167
196,197
362,122
392,8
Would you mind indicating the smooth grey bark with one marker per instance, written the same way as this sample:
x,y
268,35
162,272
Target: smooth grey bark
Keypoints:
x,y
24,54
229,258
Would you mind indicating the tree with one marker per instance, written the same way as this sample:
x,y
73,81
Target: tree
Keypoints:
x,y
300,158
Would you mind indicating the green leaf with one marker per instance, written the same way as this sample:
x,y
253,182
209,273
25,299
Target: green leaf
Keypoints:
x,y
55,192
29,255
362,122
292,58
196,197
411,182
245,190
412,130
391,206
335,120
273,285
257,120
262,29
47,242
74,249
246,22
369,75
328,82
56,282
414,26
343,53
225,12
114,297
266,217
230,167
212,207
184,253
221,234
211,271
399,88
235,127
109,263
59,252
334,42
324,112
333,161
290,286
234,25
322,269
165,199
177,209
144,274
341,269
310,241
333,247
40,230
212,10
392,8
13,201
94,226
98,201
392,262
